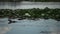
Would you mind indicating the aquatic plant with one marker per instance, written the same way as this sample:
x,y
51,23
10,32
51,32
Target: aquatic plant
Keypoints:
x,y
35,13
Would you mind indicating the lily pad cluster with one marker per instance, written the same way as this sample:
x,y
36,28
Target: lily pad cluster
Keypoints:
x,y
35,13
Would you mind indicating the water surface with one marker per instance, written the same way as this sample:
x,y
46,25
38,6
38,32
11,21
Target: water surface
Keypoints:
x,y
28,5
25,26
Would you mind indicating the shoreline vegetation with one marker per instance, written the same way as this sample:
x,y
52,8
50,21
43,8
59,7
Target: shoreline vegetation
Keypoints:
x,y
34,13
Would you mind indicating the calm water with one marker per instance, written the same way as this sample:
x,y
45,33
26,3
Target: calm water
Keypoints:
x,y
49,26
25,26
27,5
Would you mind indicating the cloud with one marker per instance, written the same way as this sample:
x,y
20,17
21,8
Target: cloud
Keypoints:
x,y
4,30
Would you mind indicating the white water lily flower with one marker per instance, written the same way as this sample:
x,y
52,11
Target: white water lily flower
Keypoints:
x,y
27,14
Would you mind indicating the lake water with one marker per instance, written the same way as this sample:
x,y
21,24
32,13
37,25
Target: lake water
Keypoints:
x,y
28,5
26,26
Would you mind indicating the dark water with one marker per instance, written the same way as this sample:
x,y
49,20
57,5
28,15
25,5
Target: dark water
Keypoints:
x,y
25,26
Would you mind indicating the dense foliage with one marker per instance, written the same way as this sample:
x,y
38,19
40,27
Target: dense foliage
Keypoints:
x,y
45,13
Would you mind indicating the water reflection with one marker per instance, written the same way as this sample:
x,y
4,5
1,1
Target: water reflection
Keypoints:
x,y
4,28
27,5
25,26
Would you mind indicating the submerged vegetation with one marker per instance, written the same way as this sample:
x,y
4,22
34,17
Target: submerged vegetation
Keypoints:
x,y
34,13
